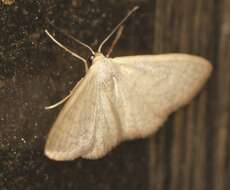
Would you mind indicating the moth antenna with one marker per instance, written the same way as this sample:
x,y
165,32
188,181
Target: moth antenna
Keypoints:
x,y
68,50
117,27
74,39
118,35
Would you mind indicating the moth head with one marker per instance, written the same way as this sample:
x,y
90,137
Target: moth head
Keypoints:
x,y
95,58
90,59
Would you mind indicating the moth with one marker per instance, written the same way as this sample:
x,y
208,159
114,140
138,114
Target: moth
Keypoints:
x,y
122,98
8,2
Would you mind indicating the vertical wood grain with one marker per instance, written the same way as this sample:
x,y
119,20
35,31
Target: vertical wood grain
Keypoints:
x,y
221,122
197,136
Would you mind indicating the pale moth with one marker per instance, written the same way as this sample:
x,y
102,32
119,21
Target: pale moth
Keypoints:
x,y
122,98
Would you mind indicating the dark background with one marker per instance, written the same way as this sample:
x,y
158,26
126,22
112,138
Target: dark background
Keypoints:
x,y
192,150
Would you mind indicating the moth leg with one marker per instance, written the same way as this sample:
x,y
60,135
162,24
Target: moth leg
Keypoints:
x,y
118,35
58,103
64,99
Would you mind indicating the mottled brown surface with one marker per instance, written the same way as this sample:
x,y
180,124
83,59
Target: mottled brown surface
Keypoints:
x,y
192,151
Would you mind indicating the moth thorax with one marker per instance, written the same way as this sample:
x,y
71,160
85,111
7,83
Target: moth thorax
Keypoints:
x,y
98,58
104,72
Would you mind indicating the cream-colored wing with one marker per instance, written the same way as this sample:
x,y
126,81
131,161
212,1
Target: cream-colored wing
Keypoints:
x,y
73,132
108,127
151,87
88,125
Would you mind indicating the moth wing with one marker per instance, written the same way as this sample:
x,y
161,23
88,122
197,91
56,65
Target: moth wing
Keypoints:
x,y
107,129
88,125
73,131
150,87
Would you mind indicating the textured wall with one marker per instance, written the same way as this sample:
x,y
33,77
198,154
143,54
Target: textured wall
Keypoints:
x,y
192,151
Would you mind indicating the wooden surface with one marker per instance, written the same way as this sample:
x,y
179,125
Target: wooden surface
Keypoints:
x,y
191,151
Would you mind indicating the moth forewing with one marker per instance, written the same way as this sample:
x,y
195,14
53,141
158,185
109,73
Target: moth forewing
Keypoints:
x,y
73,131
